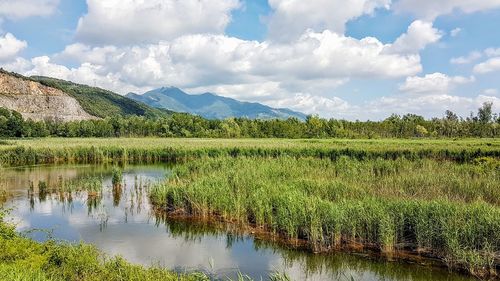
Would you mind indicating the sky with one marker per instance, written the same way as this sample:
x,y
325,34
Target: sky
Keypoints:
x,y
349,59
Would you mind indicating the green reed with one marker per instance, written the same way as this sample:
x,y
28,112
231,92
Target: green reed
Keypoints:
x,y
150,150
438,208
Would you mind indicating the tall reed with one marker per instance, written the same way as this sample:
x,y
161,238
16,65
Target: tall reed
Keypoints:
x,y
437,208
48,151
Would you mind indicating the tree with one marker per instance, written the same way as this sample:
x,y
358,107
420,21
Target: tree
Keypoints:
x,y
485,113
451,116
4,132
314,126
450,124
15,124
421,131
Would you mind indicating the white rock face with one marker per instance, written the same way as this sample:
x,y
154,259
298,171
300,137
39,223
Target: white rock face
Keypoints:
x,y
38,102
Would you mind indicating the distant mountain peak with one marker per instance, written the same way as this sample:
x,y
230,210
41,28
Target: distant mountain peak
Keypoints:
x,y
210,105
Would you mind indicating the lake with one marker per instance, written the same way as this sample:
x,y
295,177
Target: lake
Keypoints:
x,y
122,223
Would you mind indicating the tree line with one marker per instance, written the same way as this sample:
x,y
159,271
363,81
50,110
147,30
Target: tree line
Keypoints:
x,y
483,124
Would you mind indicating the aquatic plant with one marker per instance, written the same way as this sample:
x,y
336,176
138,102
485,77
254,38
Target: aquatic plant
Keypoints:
x,y
117,177
433,208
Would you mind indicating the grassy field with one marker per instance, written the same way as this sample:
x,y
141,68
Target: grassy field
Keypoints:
x,y
435,198
143,150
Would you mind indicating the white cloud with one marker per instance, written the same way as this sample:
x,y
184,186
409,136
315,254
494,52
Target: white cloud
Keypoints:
x,y
435,83
17,9
455,32
310,104
491,52
417,37
86,73
430,9
491,65
121,22
473,56
291,18
10,46
315,61
83,53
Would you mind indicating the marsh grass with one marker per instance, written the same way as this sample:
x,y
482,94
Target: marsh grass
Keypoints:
x,y
434,208
151,150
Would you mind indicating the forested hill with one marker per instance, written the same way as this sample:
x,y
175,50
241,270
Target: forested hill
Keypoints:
x,y
99,102
211,106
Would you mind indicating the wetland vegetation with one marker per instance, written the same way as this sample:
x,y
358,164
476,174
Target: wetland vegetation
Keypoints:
x,y
411,199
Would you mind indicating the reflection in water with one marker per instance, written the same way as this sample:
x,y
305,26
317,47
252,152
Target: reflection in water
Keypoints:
x,y
81,203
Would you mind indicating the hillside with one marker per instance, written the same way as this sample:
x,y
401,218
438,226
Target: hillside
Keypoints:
x,y
99,102
38,102
211,106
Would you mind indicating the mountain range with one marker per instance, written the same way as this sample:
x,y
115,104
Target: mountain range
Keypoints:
x,y
46,98
211,106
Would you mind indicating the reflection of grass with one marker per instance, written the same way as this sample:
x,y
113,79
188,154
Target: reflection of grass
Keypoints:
x,y
3,192
90,184
3,195
439,208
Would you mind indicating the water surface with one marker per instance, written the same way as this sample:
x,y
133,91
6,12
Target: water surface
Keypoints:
x,y
121,223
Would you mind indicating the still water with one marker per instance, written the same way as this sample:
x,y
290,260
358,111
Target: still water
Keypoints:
x,y
121,223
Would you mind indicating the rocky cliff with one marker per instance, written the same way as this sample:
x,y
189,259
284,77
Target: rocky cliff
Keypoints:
x,y
38,102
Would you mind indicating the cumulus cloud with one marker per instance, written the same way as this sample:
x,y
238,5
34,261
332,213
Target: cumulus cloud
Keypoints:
x,y
86,73
471,57
321,59
10,46
121,22
490,65
418,36
435,83
291,18
17,9
430,9
311,104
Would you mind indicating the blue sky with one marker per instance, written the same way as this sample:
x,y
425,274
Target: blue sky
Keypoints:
x,y
355,60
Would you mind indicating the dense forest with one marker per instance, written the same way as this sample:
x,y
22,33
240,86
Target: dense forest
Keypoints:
x,y
483,124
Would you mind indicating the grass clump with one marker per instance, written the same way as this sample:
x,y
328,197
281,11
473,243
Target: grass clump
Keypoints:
x,y
433,208
117,176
